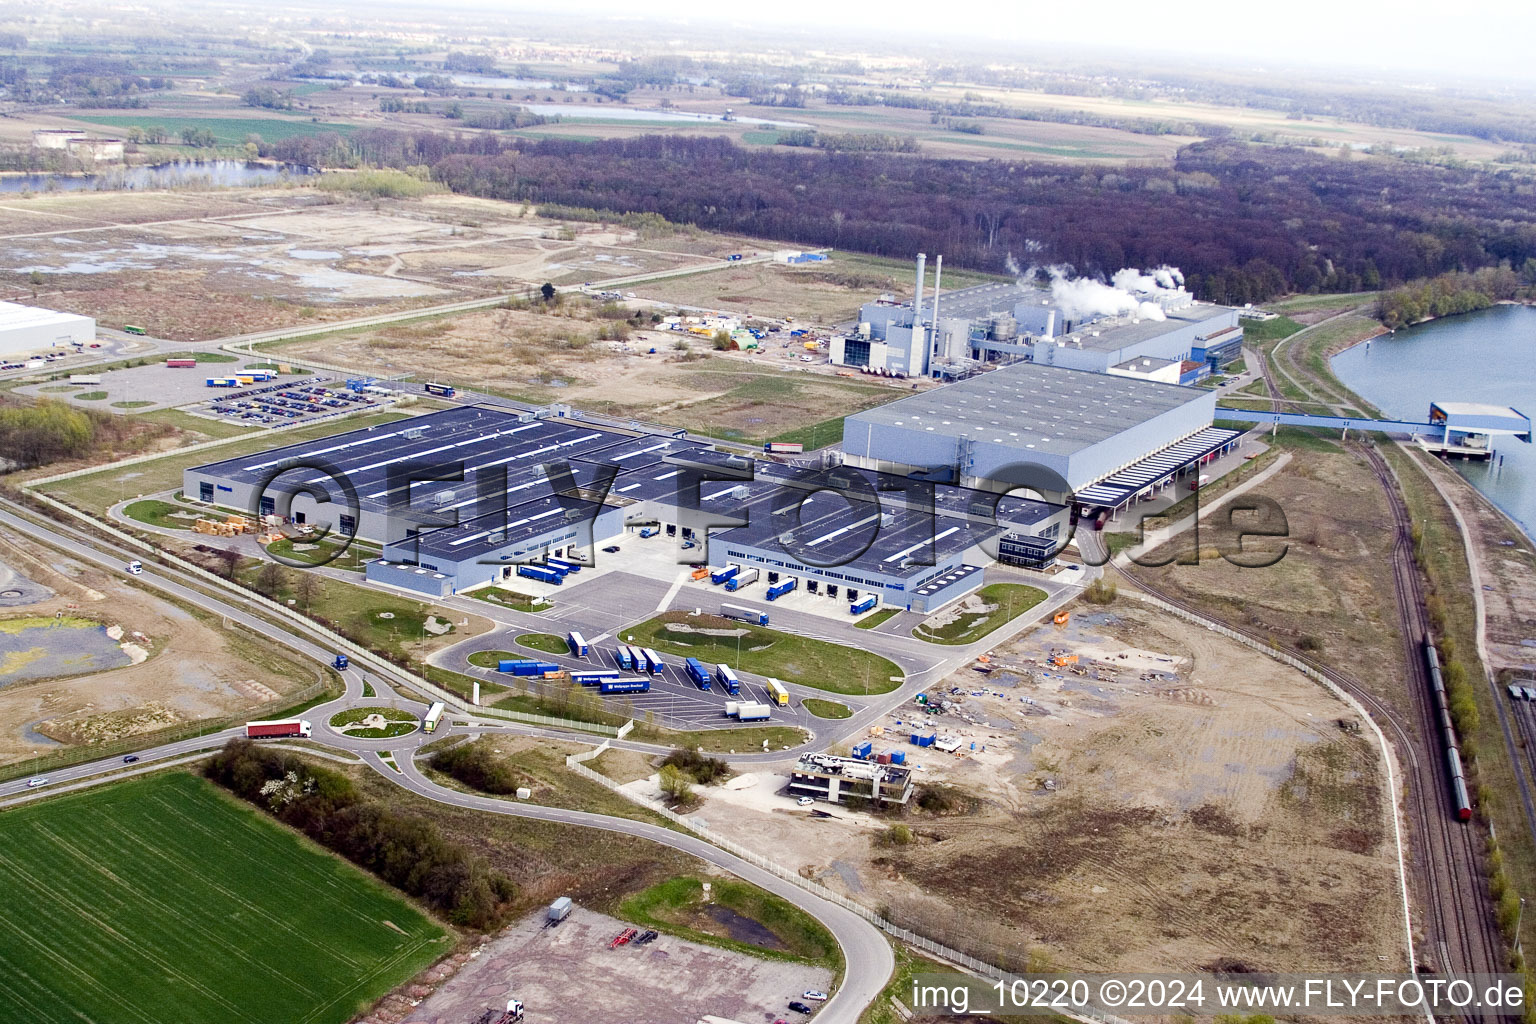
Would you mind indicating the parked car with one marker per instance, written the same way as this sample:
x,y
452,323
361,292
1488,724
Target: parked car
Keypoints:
x,y
612,549
806,801
815,997
799,1007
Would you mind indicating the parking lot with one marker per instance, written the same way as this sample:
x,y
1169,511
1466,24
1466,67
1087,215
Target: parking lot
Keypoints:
x,y
279,402
556,973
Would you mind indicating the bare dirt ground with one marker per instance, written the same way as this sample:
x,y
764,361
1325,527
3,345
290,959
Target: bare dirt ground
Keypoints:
x,y
554,970
191,670
541,358
1171,801
1331,593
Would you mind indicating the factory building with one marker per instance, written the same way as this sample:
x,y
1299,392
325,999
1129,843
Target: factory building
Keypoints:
x,y
1073,430
834,532
950,334
25,329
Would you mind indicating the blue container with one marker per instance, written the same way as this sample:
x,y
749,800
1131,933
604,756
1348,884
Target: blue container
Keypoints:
x,y
862,750
898,757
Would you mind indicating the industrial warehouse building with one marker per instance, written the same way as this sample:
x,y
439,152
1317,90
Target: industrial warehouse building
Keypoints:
x,y
26,329
443,536
1107,438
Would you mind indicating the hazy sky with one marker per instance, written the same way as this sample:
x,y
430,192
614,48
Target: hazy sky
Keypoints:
x,y
1476,38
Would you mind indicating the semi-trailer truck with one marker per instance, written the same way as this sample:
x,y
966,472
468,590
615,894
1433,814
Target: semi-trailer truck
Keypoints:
x,y
778,590
592,677
742,579
625,686
863,606
538,572
727,679
562,565
577,644
527,668
274,729
753,712
697,672
653,662
719,576
741,613
626,661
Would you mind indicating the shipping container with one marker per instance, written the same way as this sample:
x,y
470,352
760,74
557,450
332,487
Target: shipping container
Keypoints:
x,y
559,910
743,579
727,679
577,644
625,686
898,757
699,573
719,576
923,739
861,750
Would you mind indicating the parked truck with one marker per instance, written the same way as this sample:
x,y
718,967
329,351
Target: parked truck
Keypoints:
x,y
859,608
543,575
275,729
727,678
648,531
719,576
742,579
741,613
753,712
558,910
625,686
778,590
527,668
698,672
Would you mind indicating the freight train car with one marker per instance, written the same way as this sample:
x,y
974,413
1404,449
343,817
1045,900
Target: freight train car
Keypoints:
x,y
1447,734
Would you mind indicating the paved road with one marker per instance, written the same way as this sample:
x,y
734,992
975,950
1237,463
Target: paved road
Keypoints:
x,y
865,949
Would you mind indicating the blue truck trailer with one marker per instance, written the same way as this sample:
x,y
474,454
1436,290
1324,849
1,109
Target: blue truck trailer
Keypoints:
x,y
727,678
538,572
741,613
778,590
863,606
625,686
594,676
577,643
624,658
527,668
719,576
562,565
698,672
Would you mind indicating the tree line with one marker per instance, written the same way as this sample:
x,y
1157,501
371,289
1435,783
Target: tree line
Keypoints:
x,y
47,432
1244,222
405,850
1452,293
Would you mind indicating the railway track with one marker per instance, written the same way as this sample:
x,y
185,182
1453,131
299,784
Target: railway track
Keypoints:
x,y
1459,932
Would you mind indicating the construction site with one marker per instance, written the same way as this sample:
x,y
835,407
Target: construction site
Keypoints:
x,y
1111,791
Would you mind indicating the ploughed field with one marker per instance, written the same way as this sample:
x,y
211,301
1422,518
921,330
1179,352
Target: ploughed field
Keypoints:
x,y
161,899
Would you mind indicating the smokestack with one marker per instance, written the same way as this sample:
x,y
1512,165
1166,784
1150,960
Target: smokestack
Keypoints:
x,y
917,303
938,275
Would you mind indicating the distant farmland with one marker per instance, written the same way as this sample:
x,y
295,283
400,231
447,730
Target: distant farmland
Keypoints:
x,y
228,131
164,900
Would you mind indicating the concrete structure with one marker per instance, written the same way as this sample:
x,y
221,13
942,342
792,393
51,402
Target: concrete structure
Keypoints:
x,y
834,779
32,329
1052,430
95,150
55,138
1167,371
533,487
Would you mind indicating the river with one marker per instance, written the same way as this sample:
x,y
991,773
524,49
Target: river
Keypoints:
x,y
1487,356
214,173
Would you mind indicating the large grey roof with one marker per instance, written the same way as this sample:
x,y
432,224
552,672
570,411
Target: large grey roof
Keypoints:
x,y
1115,333
1030,406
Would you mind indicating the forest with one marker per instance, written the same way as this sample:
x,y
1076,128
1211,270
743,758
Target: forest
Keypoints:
x,y
1244,222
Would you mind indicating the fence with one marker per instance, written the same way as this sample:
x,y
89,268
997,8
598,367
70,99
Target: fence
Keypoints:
x,y
331,637
905,935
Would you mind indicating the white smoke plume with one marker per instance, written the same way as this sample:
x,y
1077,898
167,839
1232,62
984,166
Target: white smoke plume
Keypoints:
x,y
1130,291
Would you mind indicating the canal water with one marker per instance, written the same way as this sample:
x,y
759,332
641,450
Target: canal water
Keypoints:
x,y
1488,356
214,173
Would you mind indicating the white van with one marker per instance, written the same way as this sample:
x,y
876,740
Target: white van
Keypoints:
x,y
135,568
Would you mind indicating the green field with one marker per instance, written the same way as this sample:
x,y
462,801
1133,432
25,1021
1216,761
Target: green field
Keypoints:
x,y
163,900
1007,601
227,131
546,642
769,652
